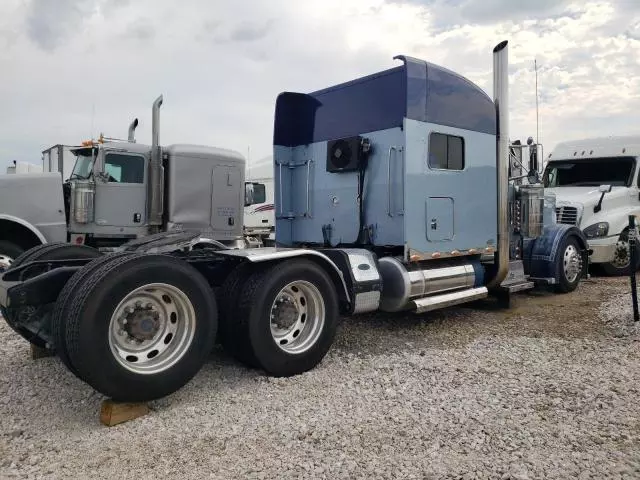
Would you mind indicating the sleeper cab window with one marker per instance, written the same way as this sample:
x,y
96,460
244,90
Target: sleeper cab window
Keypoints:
x,y
446,152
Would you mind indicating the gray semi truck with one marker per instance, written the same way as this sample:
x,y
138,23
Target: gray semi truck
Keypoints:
x,y
122,190
392,194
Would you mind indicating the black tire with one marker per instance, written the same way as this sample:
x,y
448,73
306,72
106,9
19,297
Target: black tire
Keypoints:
x,y
54,251
88,327
11,250
230,332
253,326
32,251
565,285
61,309
50,251
614,270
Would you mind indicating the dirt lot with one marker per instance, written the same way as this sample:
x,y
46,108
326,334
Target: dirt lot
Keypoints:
x,y
547,389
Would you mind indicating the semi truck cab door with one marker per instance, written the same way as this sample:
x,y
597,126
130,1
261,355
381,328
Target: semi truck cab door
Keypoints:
x,y
121,200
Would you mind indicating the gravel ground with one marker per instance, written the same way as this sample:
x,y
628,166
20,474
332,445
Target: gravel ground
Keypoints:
x,y
547,389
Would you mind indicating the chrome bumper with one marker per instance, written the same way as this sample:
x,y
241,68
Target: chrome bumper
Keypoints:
x,y
602,249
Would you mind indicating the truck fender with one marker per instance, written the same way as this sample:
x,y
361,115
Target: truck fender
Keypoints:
x,y
268,254
539,254
619,223
26,225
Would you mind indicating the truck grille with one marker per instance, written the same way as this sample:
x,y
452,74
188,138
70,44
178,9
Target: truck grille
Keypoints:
x,y
567,215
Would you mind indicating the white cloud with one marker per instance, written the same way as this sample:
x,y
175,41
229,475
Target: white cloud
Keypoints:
x,y
92,65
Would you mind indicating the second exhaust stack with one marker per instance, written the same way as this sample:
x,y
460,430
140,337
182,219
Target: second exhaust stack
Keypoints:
x,y
156,176
132,131
501,101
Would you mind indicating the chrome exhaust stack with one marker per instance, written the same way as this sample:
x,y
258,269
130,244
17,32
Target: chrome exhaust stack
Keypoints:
x,y
156,174
501,101
132,131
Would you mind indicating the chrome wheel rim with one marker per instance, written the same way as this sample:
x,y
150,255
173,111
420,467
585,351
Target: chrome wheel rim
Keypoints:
x,y
621,254
297,317
5,261
152,328
572,263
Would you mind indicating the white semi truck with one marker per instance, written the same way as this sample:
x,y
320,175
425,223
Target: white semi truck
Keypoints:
x,y
259,217
392,193
597,186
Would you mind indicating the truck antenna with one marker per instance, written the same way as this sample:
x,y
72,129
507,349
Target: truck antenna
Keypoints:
x,y
535,67
93,114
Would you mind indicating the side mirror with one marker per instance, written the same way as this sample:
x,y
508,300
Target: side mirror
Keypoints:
x,y
248,194
533,156
602,189
102,177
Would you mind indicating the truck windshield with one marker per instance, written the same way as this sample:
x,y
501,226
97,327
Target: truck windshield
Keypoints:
x,y
616,171
84,163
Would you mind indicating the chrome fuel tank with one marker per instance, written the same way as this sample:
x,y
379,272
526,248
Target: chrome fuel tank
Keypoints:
x,y
402,283
82,200
531,210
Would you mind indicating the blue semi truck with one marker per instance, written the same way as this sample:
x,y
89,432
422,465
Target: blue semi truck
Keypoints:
x,y
392,193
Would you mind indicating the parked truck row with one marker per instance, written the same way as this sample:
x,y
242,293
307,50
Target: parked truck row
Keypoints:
x,y
120,190
391,193
576,174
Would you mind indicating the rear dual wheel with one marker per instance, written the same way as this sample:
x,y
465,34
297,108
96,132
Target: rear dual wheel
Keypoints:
x,y
285,317
137,327
63,303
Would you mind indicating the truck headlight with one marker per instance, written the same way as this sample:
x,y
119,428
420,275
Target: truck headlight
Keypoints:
x,y
597,230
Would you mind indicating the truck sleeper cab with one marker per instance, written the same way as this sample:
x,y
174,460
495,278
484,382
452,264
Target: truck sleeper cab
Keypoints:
x,y
391,194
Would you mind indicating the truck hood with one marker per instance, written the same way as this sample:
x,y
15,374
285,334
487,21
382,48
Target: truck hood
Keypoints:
x,y
30,175
585,198
34,195
28,180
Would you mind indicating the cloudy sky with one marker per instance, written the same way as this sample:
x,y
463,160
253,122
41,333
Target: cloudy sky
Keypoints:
x,y
70,69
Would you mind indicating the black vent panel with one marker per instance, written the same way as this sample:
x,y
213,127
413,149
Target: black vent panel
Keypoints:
x,y
344,154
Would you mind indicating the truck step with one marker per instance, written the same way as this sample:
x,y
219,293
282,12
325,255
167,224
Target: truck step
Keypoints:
x,y
436,302
516,280
517,287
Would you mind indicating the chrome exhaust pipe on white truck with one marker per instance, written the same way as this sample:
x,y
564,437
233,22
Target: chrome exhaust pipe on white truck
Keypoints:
x,y
501,101
156,175
132,131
